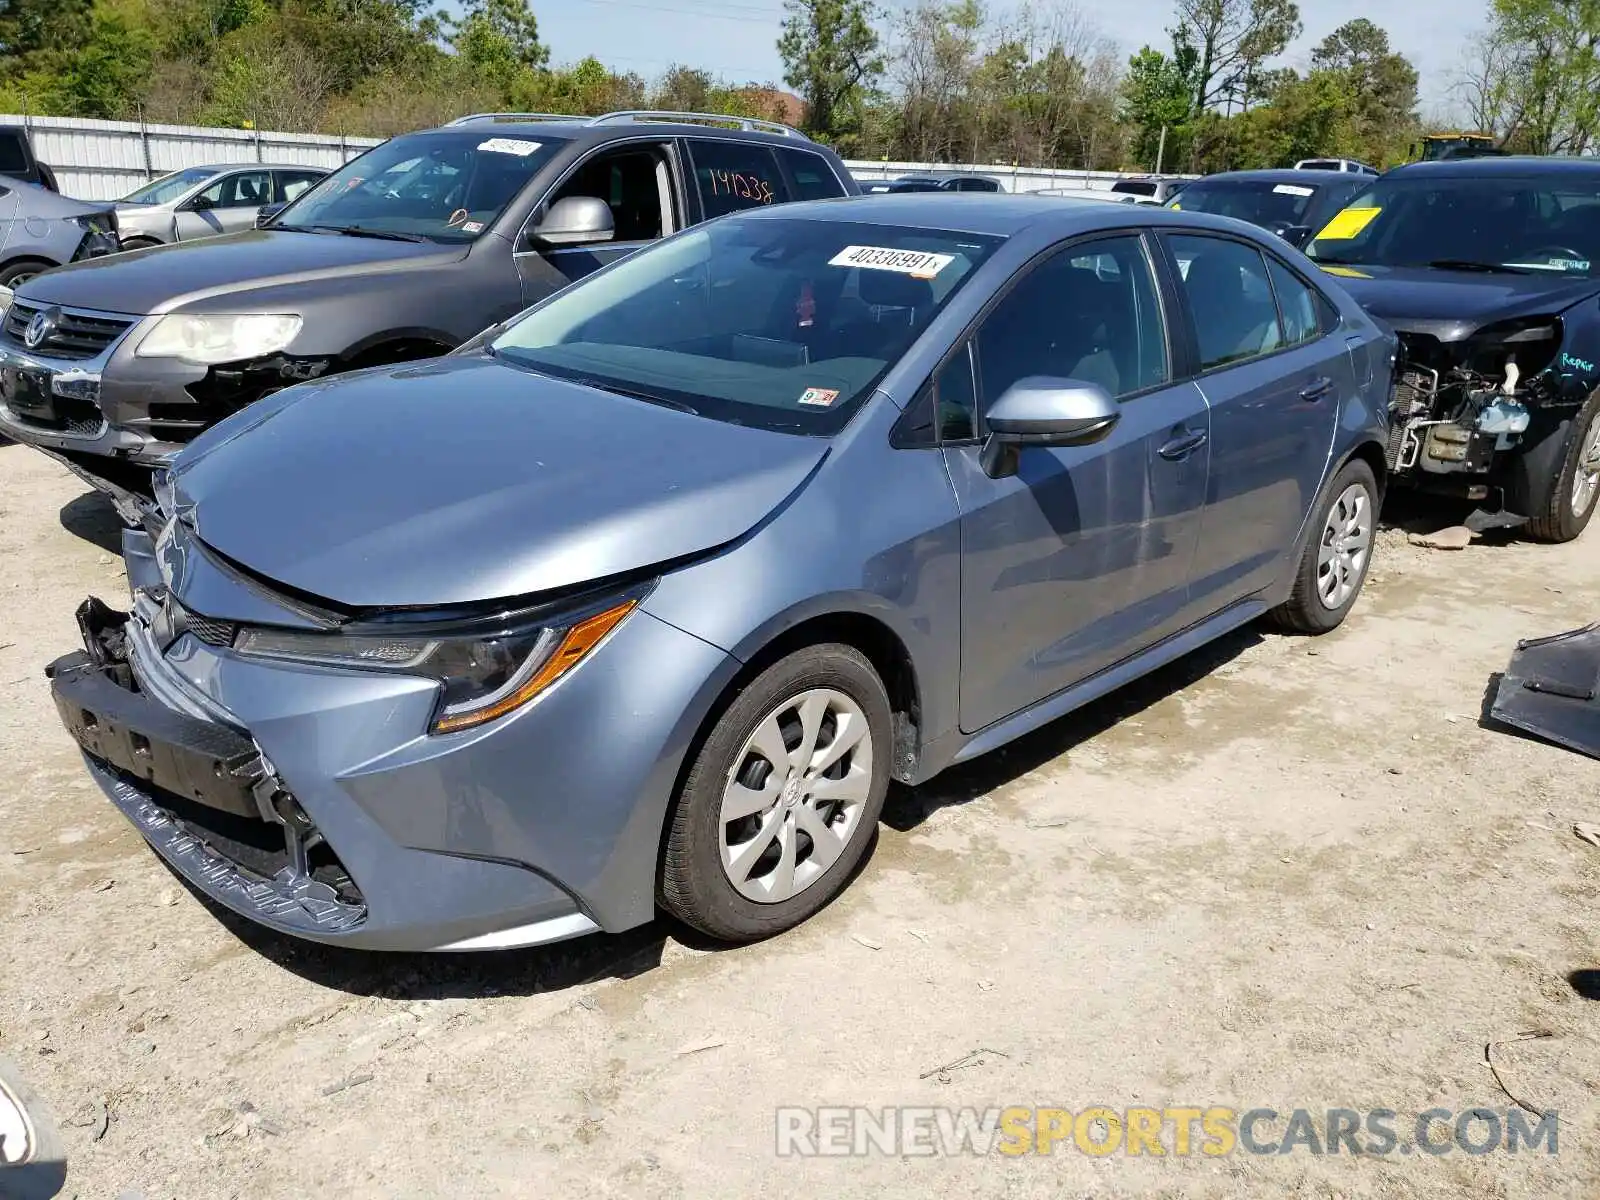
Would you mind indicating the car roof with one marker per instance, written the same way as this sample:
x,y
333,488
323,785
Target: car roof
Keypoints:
x,y
1505,166
218,168
1309,176
997,214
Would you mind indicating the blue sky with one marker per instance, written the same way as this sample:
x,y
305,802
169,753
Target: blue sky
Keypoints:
x,y
735,38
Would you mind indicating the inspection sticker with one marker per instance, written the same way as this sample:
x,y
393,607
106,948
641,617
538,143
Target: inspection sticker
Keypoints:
x,y
472,227
1294,189
518,146
918,264
819,397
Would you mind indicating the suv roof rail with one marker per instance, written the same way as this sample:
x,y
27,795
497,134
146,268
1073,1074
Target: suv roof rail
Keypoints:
x,y
749,124
471,118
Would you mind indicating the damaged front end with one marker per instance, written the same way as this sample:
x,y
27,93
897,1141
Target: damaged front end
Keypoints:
x,y
1460,408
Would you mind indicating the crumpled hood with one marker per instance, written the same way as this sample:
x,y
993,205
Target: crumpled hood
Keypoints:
x,y
464,479
1452,305
187,274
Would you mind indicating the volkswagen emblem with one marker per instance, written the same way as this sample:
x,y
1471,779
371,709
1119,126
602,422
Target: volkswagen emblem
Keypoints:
x,y
40,327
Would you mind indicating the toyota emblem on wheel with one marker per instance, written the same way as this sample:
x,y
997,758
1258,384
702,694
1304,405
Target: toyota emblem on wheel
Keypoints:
x,y
40,327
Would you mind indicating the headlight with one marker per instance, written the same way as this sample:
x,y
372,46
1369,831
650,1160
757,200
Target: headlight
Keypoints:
x,y
218,339
483,673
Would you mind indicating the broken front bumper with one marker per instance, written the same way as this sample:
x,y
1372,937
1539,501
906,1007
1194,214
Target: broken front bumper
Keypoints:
x,y
1552,690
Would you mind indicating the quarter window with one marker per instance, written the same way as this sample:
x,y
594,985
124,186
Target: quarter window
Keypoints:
x,y
1225,282
733,176
1090,313
1297,304
813,178
955,398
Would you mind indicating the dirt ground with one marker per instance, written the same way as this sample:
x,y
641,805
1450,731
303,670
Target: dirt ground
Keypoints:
x,y
1284,873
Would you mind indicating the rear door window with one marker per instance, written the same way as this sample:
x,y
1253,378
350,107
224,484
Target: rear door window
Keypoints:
x,y
811,175
292,184
734,176
1225,283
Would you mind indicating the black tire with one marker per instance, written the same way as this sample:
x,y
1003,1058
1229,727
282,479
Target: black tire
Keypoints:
x,y
694,885
1556,521
1306,611
138,243
19,271
47,179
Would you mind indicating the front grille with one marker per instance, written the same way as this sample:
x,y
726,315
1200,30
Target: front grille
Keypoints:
x,y
77,335
210,630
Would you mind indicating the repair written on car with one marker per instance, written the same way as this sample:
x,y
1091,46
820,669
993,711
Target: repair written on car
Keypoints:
x,y
648,597
1489,270
404,253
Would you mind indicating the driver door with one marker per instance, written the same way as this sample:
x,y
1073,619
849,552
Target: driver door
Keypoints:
x,y
639,182
1082,557
228,206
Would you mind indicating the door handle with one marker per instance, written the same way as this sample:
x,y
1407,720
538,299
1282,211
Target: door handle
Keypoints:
x,y
1316,390
1185,444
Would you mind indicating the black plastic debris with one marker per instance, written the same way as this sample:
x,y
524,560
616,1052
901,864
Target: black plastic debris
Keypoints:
x,y
1552,690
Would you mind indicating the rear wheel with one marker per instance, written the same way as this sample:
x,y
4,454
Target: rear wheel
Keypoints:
x,y
1338,553
783,798
139,243
1576,492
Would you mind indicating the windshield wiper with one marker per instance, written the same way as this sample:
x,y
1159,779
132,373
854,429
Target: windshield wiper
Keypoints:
x,y
363,231
633,393
1468,264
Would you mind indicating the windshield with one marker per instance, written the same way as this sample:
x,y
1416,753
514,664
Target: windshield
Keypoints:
x,y
1258,201
444,186
779,323
1504,222
169,187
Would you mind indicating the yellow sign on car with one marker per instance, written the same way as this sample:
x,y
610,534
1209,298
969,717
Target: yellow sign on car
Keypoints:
x,y
1347,224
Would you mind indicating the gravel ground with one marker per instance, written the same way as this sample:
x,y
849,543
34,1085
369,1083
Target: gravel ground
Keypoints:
x,y
1282,873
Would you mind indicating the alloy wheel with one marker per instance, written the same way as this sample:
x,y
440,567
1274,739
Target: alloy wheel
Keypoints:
x,y
1345,546
1586,479
795,796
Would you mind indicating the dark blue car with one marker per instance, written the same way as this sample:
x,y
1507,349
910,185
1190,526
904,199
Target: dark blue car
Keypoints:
x,y
645,598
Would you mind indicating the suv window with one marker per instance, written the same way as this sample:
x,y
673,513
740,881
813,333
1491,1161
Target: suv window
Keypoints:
x,y
1089,313
1225,282
813,178
634,183
292,184
13,154
246,189
732,176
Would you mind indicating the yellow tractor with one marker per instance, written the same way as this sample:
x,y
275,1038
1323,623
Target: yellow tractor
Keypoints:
x,y
1457,144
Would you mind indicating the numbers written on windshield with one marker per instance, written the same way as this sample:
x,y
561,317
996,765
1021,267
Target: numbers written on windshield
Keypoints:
x,y
735,183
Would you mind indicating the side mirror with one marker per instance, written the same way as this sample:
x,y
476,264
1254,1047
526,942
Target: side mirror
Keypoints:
x,y
1296,235
575,221
267,212
1043,411
199,203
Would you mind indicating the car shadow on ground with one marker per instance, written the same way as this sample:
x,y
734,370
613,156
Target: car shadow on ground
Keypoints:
x,y
591,959
92,518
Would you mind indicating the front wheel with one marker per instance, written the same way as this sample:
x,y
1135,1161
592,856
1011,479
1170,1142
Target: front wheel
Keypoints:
x,y
15,274
1337,555
1576,492
783,798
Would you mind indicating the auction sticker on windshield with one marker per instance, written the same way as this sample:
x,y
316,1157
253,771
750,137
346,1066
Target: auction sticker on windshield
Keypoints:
x,y
819,397
1348,224
1294,189
918,264
518,146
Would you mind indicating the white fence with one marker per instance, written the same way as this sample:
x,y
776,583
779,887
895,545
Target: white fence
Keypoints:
x,y
101,160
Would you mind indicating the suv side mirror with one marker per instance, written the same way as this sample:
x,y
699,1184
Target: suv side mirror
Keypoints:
x,y
575,221
1044,411
199,203
267,212
1296,235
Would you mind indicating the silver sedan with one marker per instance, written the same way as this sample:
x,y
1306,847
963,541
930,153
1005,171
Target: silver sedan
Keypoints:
x,y
199,202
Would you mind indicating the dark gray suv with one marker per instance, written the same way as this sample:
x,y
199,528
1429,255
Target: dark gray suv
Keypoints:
x,y
404,253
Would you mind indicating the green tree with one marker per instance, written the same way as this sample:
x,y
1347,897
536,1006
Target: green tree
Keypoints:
x,y
1158,94
1380,84
830,52
1550,73
1232,41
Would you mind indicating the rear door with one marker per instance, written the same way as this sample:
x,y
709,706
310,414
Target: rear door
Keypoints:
x,y
1083,556
1276,375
